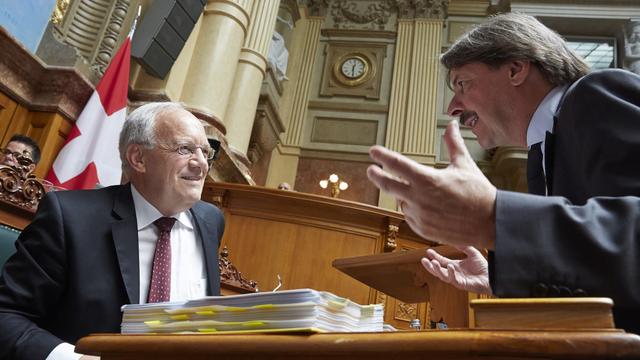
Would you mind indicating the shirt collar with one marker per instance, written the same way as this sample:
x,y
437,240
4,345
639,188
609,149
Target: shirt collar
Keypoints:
x,y
542,120
146,213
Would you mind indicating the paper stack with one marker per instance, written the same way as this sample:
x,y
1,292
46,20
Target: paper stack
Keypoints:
x,y
290,310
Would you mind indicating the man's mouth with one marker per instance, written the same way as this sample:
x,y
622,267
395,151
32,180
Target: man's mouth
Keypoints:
x,y
191,178
469,118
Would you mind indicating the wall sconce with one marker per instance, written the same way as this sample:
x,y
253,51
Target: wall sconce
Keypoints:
x,y
335,183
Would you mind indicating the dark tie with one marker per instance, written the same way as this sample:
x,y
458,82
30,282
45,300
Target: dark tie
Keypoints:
x,y
535,172
160,288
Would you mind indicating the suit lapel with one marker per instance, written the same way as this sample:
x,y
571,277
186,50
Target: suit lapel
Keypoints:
x,y
125,238
208,235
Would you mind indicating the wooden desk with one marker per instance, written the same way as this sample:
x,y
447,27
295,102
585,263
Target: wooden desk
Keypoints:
x,y
440,344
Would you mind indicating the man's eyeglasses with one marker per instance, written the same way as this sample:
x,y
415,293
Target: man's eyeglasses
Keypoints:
x,y
189,149
16,154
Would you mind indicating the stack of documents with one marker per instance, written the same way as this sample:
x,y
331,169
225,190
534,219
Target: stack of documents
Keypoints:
x,y
290,310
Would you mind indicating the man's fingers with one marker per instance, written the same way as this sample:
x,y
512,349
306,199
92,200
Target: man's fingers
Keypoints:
x,y
469,251
432,254
396,163
455,144
435,269
387,183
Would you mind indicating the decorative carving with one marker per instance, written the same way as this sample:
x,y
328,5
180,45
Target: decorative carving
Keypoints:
x,y
632,47
390,238
93,28
498,6
406,312
405,9
19,186
111,35
431,9
230,277
348,14
317,8
256,151
381,298
59,11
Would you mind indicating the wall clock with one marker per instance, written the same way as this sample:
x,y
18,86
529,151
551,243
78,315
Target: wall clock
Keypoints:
x,y
352,69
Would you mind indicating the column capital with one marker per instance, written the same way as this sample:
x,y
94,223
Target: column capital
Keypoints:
x,y
317,8
433,9
421,9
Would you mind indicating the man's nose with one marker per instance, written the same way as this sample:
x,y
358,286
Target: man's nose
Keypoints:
x,y
455,108
200,159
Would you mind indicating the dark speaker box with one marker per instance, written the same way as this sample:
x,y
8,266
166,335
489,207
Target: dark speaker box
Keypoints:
x,y
162,32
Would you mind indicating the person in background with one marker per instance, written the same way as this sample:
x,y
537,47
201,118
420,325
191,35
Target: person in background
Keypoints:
x,y
20,145
517,83
284,186
89,252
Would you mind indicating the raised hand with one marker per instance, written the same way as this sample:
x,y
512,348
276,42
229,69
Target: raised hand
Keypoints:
x,y
455,205
470,273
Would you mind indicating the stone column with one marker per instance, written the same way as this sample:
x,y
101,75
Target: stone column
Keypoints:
x,y
399,94
399,86
422,109
298,110
250,72
213,65
413,110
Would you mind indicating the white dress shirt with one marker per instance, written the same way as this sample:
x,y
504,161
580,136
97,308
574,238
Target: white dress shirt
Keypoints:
x,y
188,273
542,120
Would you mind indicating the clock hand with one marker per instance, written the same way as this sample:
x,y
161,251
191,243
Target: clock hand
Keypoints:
x,y
353,69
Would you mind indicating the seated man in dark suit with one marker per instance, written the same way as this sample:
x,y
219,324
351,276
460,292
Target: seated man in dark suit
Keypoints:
x,y
517,83
89,252
20,145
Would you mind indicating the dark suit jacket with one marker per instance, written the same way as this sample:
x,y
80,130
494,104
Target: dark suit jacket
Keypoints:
x,y
76,264
584,239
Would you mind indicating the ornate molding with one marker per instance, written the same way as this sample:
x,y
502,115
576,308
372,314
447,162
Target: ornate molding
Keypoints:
x,y
632,46
231,278
431,9
405,312
405,9
421,9
59,11
349,14
19,186
390,238
94,28
111,35
317,8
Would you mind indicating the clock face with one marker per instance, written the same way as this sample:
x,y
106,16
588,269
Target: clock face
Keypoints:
x,y
353,68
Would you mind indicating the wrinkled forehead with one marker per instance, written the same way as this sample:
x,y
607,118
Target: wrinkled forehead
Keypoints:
x,y
179,125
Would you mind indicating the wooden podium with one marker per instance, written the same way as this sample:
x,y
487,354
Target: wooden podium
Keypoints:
x,y
405,345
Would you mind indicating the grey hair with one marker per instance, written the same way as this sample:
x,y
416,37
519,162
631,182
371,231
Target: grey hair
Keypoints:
x,y
514,36
139,127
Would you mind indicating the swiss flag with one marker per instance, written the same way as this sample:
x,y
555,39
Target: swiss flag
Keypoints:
x,y
90,154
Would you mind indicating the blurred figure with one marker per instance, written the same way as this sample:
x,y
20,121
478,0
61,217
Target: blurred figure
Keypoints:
x,y
20,145
284,186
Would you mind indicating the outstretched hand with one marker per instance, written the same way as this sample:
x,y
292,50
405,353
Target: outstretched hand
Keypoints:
x,y
470,273
451,205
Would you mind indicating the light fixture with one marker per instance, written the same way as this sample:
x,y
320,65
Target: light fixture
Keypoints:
x,y
336,185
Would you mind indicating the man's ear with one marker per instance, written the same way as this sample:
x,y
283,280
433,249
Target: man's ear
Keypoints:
x,y
136,158
518,71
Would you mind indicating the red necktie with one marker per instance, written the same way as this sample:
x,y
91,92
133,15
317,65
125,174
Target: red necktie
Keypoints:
x,y
160,288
